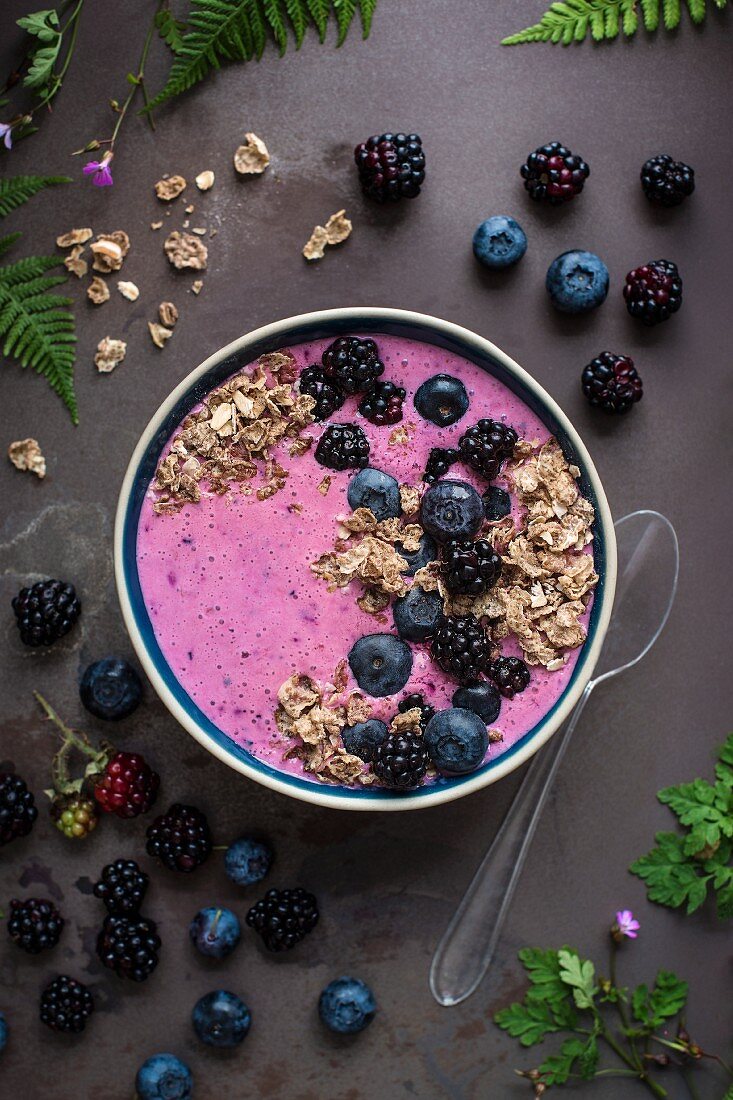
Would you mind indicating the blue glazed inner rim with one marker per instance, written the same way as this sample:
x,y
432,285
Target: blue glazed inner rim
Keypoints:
x,y
218,373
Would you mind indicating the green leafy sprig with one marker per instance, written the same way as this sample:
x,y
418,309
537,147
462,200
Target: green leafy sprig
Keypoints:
x,y
570,21
36,327
567,996
685,866
217,31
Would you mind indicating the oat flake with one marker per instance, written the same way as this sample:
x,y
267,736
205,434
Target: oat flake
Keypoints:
x,y
185,251
170,188
25,454
252,158
98,291
110,354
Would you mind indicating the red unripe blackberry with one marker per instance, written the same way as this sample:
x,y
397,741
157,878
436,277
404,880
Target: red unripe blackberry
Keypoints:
x,y
653,292
128,786
382,404
553,174
391,166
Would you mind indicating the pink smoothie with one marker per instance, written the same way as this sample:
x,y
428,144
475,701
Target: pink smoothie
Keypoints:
x,y
236,609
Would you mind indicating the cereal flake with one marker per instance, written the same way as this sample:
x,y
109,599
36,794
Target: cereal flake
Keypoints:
x,y
185,251
25,454
252,158
110,354
171,188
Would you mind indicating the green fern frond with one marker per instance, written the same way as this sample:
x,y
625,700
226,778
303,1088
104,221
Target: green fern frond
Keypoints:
x,y
236,30
16,190
37,328
569,21
170,29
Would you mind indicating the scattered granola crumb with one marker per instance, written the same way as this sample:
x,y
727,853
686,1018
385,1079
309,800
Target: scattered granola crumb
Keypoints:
x,y
156,225
168,314
205,180
315,247
197,286
109,251
199,230
110,354
315,728
74,264
170,188
74,236
25,454
400,437
128,290
185,251
190,208
337,229
159,333
98,291
495,736
252,158
325,485
409,499
186,223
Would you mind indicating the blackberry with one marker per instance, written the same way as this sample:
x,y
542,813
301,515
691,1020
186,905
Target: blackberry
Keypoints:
x,y
611,382
553,174
382,404
402,760
486,445
343,447
352,363
66,1005
34,924
17,808
665,181
653,292
129,946
439,463
391,166
75,817
327,395
180,839
46,611
284,917
122,887
510,674
470,568
416,700
128,786
461,647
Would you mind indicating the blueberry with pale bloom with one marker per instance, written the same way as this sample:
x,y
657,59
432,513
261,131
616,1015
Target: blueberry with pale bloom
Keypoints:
x,y
625,925
100,171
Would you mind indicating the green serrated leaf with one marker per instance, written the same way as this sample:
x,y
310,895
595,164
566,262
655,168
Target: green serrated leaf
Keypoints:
x,y
724,901
43,25
650,13
16,190
528,1021
575,20
8,241
666,999
556,1068
37,328
697,10
579,974
671,879
724,767
170,29
218,31
543,971
671,11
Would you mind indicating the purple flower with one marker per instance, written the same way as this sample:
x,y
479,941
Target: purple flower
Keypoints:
x,y
100,171
625,925
6,133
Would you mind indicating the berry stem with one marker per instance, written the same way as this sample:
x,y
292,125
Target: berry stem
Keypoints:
x,y
76,738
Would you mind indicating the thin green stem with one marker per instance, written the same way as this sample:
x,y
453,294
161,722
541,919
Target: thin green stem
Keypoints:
x,y
639,1071
58,78
691,1087
72,737
139,83
620,1006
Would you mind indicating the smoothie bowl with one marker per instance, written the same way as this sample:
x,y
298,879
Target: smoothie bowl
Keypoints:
x,y
365,559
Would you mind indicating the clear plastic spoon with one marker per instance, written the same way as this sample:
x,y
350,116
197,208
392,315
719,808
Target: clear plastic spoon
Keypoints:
x,y
648,563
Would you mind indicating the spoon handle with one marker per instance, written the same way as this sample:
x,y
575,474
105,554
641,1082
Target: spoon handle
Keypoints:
x,y
468,944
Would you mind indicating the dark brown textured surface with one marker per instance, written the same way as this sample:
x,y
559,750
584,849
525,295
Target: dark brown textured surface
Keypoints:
x,y
387,884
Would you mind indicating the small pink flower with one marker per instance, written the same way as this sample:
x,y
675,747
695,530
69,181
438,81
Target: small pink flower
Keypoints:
x,y
6,134
100,171
625,925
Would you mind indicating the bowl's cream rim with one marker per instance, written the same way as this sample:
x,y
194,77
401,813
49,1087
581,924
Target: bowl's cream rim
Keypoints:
x,y
375,314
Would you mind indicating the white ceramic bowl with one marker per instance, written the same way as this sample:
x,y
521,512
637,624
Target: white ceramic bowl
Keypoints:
x,y
332,323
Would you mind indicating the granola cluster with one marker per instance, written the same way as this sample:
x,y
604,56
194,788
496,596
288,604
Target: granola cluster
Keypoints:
x,y
373,559
230,438
314,720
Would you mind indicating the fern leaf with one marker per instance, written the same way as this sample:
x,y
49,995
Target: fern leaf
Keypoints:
x,y
629,18
43,25
236,30
366,12
650,12
697,10
37,328
170,29
672,12
7,242
16,190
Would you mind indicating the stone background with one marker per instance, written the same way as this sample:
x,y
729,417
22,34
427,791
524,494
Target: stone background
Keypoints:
x,y
387,884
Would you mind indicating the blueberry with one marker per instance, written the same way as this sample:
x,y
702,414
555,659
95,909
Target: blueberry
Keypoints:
x,y
377,491
442,400
164,1077
4,1029
417,614
497,503
577,282
215,932
457,741
347,1006
451,510
247,861
481,697
362,738
221,1019
381,664
499,242
418,559
111,688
